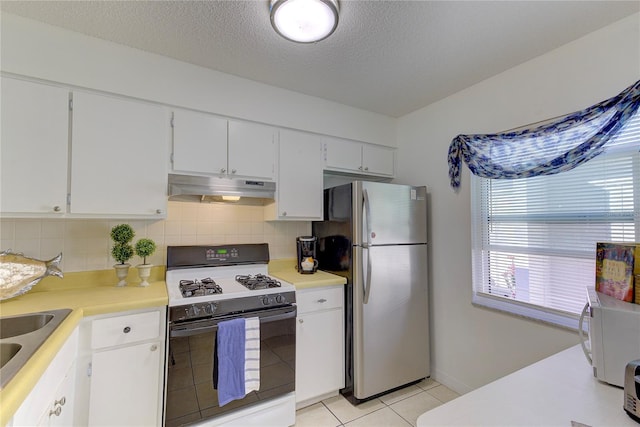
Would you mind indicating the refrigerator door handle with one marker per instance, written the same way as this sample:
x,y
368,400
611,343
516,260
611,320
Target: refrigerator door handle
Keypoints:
x,y
367,280
366,246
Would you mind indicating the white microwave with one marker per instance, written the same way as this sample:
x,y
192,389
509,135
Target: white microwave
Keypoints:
x,y
614,336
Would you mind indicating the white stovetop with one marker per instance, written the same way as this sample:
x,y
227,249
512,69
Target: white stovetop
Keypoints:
x,y
552,392
223,276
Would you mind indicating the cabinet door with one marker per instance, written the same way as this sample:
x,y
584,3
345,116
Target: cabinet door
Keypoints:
x,y
56,382
125,386
378,160
61,410
252,150
199,143
319,354
119,157
343,155
299,176
33,147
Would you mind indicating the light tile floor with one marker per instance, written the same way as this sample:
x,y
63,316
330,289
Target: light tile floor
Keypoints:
x,y
398,409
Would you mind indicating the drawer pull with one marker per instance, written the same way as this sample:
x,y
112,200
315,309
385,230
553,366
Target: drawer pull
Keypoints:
x,y
322,300
301,320
60,402
56,411
154,347
126,329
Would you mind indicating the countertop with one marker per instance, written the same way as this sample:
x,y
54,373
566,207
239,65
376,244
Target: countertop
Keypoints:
x,y
552,392
87,294
93,293
285,269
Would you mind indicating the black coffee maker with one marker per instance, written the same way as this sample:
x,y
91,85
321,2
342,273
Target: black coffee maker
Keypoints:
x,y
306,248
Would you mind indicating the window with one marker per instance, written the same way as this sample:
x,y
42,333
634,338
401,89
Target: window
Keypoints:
x,y
534,239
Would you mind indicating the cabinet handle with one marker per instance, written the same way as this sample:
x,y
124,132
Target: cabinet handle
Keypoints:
x,y
366,168
233,171
359,167
60,402
301,320
322,300
56,208
284,213
223,170
158,211
56,411
154,347
126,329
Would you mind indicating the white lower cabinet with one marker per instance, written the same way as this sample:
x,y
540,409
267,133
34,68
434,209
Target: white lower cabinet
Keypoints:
x,y
121,368
51,402
319,344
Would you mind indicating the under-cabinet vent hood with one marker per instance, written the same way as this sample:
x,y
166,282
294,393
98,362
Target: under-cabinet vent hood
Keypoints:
x,y
191,188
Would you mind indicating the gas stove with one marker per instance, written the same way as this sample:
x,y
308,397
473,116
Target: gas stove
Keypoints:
x,y
204,281
208,286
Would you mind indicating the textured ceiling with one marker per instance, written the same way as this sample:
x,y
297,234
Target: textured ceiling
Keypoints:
x,y
390,57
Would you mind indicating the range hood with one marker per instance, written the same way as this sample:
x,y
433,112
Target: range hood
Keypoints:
x,y
192,188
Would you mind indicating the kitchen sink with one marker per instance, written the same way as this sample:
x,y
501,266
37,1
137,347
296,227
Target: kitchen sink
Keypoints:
x,y
20,325
7,351
22,335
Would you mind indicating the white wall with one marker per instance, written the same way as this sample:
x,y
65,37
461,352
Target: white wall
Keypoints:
x,y
43,51
471,345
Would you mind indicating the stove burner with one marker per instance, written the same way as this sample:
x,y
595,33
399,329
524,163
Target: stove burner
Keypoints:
x,y
259,281
198,288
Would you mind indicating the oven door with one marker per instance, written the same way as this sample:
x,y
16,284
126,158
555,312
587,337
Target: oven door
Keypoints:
x,y
190,396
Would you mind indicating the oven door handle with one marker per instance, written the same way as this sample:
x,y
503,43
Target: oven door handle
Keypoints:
x,y
188,329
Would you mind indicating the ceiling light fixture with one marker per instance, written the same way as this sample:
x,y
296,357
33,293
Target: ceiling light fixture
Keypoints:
x,y
304,21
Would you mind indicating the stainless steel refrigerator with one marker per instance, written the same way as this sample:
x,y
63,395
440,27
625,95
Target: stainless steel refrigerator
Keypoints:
x,y
375,235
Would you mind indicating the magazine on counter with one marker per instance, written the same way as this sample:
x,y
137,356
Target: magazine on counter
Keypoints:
x,y
615,269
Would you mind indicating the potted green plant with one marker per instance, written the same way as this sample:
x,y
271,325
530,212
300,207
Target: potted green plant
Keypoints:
x,y
122,251
144,248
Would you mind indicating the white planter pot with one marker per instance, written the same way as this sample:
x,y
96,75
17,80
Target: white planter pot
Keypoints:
x,y
122,271
144,271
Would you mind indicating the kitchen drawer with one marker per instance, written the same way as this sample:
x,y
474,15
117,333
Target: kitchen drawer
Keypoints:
x,y
323,298
127,329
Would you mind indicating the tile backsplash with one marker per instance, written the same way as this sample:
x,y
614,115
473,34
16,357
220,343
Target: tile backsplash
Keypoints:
x,y
86,244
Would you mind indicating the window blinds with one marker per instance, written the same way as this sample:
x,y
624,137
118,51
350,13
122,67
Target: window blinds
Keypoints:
x,y
534,238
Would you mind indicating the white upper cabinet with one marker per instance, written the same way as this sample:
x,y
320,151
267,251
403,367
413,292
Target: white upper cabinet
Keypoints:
x,y
299,190
378,160
252,150
355,157
119,157
199,143
33,148
210,145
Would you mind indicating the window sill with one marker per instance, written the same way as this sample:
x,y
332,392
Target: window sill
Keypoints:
x,y
528,311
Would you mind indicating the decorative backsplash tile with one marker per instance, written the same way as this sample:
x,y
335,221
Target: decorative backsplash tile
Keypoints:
x,y
86,244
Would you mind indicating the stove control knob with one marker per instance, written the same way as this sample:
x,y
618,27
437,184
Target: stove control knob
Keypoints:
x,y
193,311
280,299
210,308
266,301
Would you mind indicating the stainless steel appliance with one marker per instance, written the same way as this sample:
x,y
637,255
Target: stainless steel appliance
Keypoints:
x,y
193,188
375,235
306,250
209,284
632,389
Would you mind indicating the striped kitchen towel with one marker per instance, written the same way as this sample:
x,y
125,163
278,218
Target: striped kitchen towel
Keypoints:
x,y
252,354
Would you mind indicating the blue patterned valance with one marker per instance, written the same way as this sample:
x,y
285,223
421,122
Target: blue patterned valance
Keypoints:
x,y
553,147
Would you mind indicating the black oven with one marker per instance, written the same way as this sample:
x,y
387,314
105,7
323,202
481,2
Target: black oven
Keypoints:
x,y
191,397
